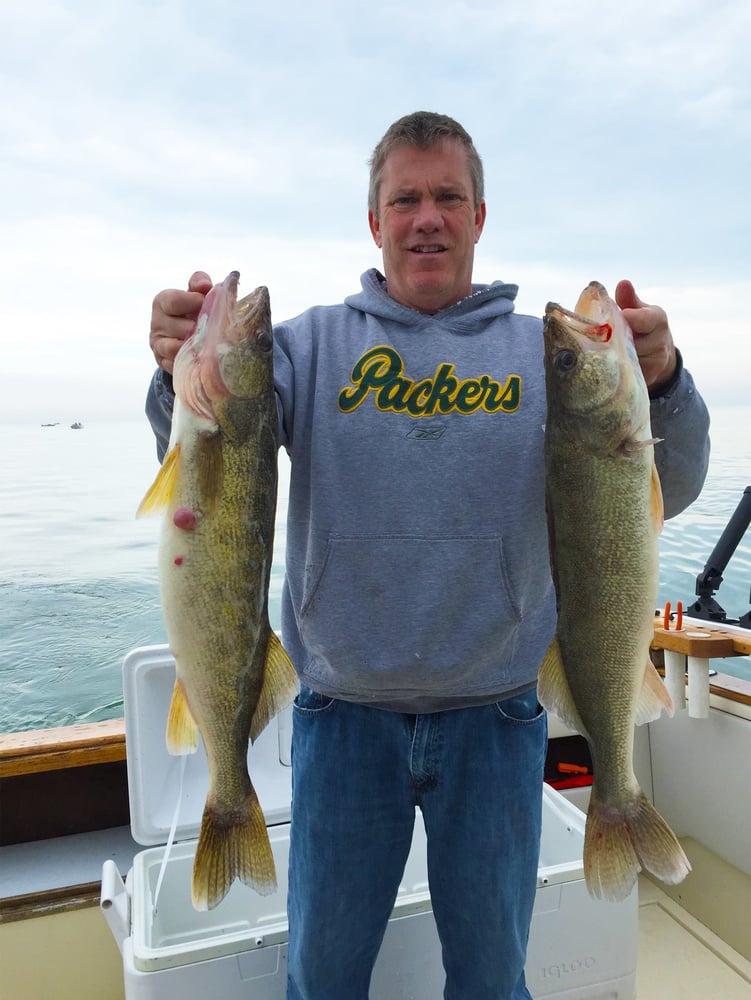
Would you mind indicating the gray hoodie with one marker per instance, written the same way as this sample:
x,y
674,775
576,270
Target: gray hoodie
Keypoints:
x,y
417,560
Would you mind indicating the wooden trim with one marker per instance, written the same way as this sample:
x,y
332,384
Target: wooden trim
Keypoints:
x,y
707,645
694,637
708,641
49,901
732,688
38,750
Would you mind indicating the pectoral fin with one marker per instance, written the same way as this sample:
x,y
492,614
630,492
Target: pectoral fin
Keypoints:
x,y
553,689
182,732
209,466
658,508
163,488
654,697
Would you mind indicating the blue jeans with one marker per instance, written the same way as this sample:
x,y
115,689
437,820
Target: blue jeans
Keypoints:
x,y
357,775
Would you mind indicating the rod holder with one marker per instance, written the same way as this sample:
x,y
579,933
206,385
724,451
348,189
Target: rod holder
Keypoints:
x,y
698,687
675,678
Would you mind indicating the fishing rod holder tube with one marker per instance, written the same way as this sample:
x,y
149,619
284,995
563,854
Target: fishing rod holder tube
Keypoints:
x,y
675,678
698,687
677,665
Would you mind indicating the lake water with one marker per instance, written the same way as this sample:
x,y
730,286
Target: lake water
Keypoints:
x,y
78,578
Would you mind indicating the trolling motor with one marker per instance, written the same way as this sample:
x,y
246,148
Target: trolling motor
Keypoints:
x,y
709,580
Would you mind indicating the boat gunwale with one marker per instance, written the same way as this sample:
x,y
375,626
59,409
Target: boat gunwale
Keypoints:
x,y
36,750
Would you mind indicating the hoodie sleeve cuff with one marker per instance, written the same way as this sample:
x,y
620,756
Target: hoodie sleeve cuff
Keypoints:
x,y
667,388
160,402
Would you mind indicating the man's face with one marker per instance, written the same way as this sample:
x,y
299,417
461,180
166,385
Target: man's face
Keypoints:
x,y
427,225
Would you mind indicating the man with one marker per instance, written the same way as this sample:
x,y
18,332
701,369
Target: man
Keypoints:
x,y
418,601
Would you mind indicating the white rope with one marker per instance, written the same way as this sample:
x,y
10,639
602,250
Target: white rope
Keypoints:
x,y
171,838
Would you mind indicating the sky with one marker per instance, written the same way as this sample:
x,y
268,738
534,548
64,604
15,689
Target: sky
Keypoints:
x,y
140,141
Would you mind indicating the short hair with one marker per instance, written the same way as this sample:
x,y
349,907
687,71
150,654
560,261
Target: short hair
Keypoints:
x,y
423,129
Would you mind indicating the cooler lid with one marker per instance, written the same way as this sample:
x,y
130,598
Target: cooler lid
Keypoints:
x,y
154,775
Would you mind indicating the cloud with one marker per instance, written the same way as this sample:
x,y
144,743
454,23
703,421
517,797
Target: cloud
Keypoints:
x,y
147,139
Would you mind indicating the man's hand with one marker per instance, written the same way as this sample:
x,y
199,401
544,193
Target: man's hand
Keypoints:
x,y
652,336
173,318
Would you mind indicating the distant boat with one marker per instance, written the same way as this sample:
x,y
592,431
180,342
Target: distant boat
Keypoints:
x,y
76,426
56,424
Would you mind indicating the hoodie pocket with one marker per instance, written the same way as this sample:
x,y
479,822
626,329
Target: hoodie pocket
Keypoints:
x,y
410,613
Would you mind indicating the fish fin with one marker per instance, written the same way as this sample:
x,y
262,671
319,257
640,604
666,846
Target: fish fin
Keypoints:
x,y
553,689
232,846
658,507
551,541
634,445
163,488
209,458
653,698
280,685
619,843
182,732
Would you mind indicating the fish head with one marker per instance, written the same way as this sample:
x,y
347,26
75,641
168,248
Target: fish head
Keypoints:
x,y
592,373
230,354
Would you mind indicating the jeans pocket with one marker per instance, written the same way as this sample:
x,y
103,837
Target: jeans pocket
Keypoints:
x,y
521,709
309,702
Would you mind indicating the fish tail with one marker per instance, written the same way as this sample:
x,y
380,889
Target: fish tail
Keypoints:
x,y
230,846
621,841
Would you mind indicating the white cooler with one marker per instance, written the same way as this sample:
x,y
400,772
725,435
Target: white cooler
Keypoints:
x,y
579,949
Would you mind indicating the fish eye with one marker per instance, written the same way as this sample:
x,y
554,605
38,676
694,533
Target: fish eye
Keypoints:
x,y
565,361
265,341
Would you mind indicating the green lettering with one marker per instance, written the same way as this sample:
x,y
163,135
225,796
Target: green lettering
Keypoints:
x,y
376,368
418,397
381,371
502,396
392,395
443,391
469,396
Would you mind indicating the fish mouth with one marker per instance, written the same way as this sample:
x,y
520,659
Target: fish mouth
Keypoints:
x,y
252,307
591,317
253,314
257,301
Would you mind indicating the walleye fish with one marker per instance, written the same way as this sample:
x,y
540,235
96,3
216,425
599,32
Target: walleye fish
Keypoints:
x,y
605,514
218,485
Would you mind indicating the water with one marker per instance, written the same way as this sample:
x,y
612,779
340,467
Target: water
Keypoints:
x,y
78,580
78,571
687,541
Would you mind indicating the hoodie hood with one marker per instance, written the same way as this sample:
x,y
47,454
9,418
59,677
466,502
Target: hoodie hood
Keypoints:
x,y
486,302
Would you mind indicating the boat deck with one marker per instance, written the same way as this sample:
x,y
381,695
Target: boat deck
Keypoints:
x,y
679,957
